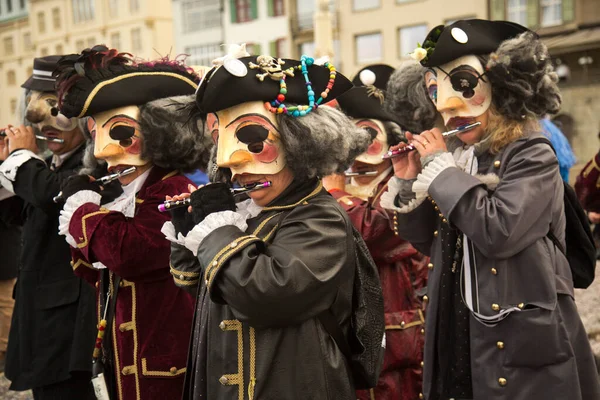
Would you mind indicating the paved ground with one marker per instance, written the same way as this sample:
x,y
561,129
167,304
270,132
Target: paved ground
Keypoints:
x,y
6,394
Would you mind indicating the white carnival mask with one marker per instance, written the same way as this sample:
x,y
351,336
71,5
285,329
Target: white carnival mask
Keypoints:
x,y
39,110
379,146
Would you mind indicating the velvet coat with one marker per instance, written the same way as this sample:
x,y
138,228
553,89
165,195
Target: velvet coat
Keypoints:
x,y
256,335
152,323
540,352
53,325
403,274
587,185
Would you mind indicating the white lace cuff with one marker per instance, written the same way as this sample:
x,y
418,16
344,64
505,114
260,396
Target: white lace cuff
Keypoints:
x,y
168,229
213,221
430,172
71,205
399,187
9,168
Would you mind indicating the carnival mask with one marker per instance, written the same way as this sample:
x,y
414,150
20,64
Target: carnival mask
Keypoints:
x,y
379,146
117,138
459,90
248,139
42,112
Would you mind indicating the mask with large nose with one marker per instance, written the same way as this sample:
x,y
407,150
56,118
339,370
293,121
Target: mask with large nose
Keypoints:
x,y
248,139
117,137
42,111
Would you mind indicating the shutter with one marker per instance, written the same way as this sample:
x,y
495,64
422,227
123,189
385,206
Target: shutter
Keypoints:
x,y
568,10
497,8
253,9
233,11
273,49
270,8
532,14
257,50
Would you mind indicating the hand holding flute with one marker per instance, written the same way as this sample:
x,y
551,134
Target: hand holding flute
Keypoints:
x,y
16,139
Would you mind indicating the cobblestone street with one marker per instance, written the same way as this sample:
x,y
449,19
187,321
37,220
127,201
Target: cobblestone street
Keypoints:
x,y
6,394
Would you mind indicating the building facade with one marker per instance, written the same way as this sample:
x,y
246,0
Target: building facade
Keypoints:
x,y
35,28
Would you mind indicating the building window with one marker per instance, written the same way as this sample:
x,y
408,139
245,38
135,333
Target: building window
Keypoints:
x,y
277,48
113,8
368,48
44,51
9,6
136,40
22,4
516,11
360,5
79,46
83,10
243,10
115,41
203,54
59,49
27,41
13,106
275,8
56,18
253,48
134,5
200,15
551,12
408,37
11,78
9,46
41,22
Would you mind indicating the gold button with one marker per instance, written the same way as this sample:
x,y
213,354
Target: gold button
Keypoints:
x,y
127,370
215,263
349,202
441,215
97,283
444,220
435,233
421,396
422,331
502,381
500,345
395,216
497,163
495,307
425,298
402,324
433,202
494,271
436,208
422,364
521,305
430,266
173,370
206,281
396,233
222,325
233,245
181,277
121,284
223,380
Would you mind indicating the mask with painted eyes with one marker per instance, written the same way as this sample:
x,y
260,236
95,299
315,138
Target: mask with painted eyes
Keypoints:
x,y
459,88
42,111
248,139
117,137
379,145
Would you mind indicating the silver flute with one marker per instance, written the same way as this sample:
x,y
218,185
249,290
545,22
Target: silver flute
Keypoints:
x,y
40,137
102,181
171,204
366,173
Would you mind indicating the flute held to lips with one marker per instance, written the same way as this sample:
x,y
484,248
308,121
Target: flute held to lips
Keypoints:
x,y
40,137
171,204
411,147
102,181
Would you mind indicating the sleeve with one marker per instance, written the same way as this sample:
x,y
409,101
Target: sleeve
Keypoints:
x,y
185,268
11,210
287,281
82,268
587,185
515,215
133,248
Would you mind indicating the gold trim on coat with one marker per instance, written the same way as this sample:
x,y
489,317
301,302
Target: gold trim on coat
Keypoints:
x,y
238,377
170,373
309,196
83,227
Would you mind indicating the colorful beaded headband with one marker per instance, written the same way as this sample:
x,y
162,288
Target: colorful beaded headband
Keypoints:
x,y
272,69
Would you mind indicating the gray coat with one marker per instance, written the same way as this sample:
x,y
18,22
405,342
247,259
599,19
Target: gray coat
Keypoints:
x,y
541,352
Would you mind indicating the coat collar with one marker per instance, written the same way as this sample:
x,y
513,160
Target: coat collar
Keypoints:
x,y
156,175
295,194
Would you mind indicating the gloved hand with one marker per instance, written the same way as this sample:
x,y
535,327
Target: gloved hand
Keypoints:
x,y
111,191
209,199
182,220
77,183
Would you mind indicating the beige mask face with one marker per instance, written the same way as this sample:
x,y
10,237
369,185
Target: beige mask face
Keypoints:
x,y
38,112
117,137
379,146
248,139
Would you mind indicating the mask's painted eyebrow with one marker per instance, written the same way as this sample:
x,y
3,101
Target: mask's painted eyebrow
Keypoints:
x,y
215,122
253,116
120,116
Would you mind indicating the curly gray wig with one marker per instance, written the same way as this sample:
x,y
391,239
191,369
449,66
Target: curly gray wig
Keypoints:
x,y
321,143
407,98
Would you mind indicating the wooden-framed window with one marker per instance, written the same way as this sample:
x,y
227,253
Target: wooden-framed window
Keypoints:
x,y
243,10
276,8
534,13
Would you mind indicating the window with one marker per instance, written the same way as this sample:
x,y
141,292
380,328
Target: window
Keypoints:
x,y
13,106
83,10
203,54
134,5
516,11
359,5
136,40
277,48
200,15
41,22
243,10
59,49
551,12
22,4
368,48
56,18
9,6
275,8
91,42
9,46
44,51
27,41
253,48
113,8
115,41
79,46
408,37
11,78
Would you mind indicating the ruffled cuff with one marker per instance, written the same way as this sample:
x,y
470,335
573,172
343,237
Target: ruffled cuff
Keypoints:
x,y
213,221
168,229
399,197
71,205
10,166
441,162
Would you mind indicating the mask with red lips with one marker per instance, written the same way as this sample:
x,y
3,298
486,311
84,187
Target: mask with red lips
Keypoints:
x,y
379,146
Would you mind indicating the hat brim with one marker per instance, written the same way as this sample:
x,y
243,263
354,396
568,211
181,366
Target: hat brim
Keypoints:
x,y
39,85
359,103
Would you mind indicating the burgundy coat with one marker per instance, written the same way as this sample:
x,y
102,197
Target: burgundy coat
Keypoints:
x,y
153,317
403,274
587,185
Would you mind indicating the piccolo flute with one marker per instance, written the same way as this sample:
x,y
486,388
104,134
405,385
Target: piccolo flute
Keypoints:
x,y
366,173
102,181
171,204
411,147
40,137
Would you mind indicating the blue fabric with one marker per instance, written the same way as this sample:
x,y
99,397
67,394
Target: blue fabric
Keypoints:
x,y
564,153
198,177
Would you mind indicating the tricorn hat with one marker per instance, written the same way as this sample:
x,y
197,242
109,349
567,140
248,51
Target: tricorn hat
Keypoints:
x,y
365,100
101,79
472,36
42,80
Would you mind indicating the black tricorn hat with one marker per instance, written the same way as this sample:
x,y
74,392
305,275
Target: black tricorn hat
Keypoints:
x,y
42,80
464,37
221,89
101,79
365,100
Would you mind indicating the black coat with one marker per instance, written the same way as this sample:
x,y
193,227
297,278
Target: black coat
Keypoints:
x,y
53,327
10,248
